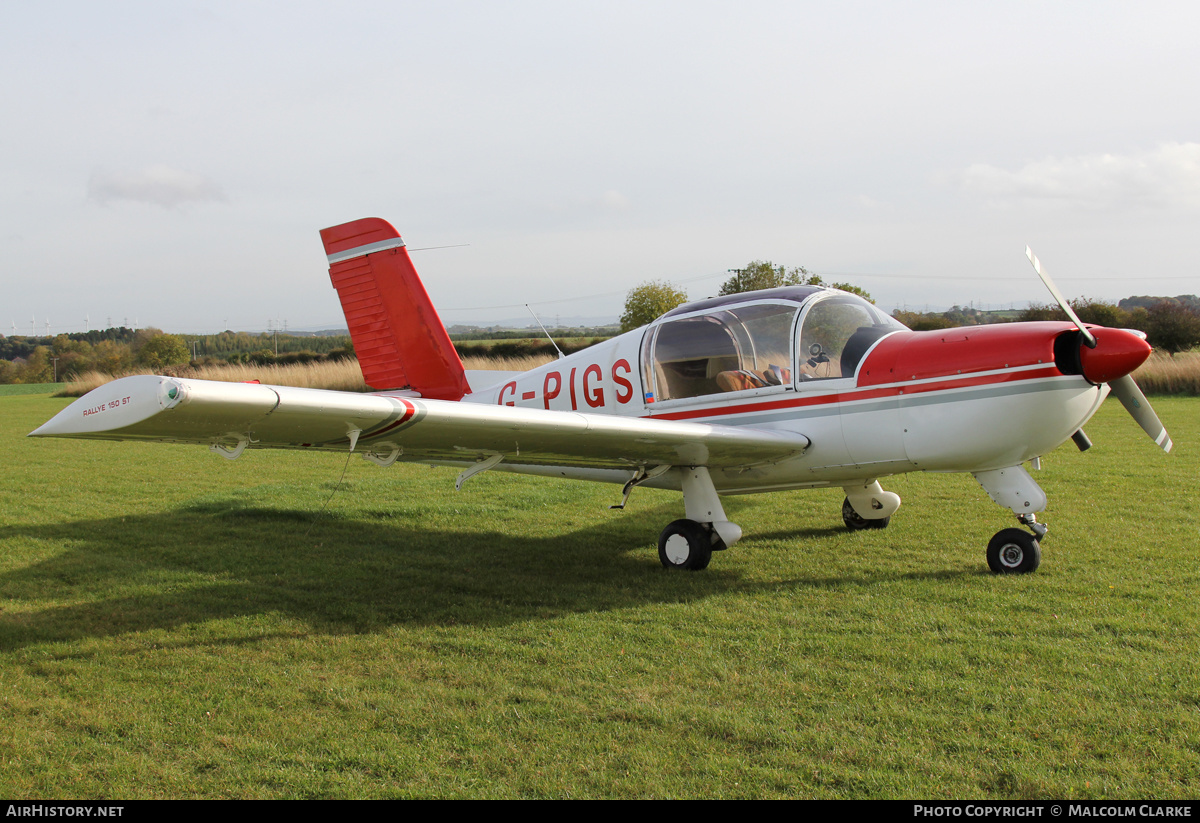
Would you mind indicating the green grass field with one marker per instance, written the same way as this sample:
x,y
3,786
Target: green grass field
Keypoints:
x,y
174,625
11,389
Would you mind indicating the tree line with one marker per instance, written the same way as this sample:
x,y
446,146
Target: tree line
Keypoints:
x,y
118,350
1171,324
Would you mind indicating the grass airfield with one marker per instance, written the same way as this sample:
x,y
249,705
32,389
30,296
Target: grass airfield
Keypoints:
x,y
175,625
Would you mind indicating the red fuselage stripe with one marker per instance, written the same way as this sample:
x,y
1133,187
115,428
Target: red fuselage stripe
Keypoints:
x,y
409,411
852,395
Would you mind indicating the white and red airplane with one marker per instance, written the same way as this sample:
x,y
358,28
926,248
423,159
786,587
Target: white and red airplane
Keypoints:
x,y
789,388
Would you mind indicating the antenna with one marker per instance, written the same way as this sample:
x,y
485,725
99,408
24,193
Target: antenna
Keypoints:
x,y
430,248
551,339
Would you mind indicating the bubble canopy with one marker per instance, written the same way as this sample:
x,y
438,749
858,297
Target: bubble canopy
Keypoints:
x,y
764,341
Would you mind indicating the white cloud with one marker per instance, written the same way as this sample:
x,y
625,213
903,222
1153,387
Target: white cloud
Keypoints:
x,y
1167,176
159,185
614,201
865,201
591,206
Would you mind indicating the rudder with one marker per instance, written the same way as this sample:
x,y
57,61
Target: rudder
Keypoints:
x,y
398,337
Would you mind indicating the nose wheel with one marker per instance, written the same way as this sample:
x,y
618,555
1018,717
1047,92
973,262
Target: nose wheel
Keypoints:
x,y
1014,551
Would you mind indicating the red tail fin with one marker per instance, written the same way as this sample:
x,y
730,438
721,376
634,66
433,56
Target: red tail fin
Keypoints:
x,y
397,334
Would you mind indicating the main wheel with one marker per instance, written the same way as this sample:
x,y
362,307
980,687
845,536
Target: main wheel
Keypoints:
x,y
685,544
854,521
1013,551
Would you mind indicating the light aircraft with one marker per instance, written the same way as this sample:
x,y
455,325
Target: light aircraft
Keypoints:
x,y
789,388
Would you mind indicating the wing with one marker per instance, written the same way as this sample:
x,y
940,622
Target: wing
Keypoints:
x,y
230,417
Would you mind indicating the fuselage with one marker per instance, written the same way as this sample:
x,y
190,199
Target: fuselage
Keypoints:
x,y
874,398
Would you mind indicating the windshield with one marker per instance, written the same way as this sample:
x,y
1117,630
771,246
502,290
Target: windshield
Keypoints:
x,y
836,333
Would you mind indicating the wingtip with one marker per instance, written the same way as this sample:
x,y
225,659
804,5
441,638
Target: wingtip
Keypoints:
x,y
113,406
57,426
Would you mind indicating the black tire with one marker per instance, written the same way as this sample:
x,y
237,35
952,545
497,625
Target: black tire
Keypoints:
x,y
1013,551
854,521
685,544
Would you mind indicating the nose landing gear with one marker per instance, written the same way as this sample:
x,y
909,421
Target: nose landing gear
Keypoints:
x,y
1015,551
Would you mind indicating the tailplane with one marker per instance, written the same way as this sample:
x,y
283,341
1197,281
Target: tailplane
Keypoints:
x,y
398,337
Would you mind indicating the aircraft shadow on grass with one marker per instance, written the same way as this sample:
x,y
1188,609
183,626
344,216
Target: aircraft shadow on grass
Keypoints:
x,y
211,561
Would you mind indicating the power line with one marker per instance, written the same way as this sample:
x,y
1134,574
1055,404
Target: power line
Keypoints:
x,y
571,299
825,275
992,278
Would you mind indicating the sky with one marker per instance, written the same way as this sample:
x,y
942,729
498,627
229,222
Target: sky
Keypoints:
x,y
170,164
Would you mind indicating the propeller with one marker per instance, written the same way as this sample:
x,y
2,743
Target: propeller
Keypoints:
x,y
1108,361
1135,403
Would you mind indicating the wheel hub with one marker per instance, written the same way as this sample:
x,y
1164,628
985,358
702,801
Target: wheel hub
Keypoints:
x,y
677,549
1012,555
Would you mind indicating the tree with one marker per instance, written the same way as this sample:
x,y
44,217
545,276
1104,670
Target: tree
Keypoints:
x,y
111,357
163,350
649,301
863,293
925,321
763,274
38,367
1173,327
1089,311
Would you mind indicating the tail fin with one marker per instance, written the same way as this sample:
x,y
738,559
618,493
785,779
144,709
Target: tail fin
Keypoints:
x,y
397,334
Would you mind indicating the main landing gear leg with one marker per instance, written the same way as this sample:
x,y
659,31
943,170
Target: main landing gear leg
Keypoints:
x,y
1013,551
689,543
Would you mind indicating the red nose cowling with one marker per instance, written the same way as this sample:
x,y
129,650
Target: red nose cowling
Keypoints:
x,y
1118,352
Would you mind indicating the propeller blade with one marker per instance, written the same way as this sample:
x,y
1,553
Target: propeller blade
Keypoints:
x,y
1124,388
1135,403
1062,301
